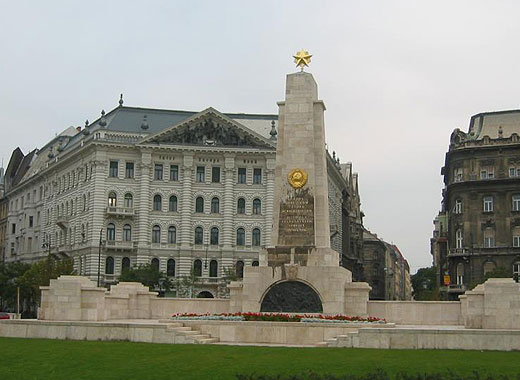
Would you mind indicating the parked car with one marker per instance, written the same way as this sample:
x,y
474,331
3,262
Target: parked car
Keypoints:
x,y
4,315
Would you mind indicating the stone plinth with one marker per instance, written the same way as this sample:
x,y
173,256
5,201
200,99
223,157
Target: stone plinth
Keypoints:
x,y
494,304
72,298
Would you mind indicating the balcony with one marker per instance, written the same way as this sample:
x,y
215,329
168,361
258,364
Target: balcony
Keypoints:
x,y
63,221
64,250
458,252
205,280
120,245
124,212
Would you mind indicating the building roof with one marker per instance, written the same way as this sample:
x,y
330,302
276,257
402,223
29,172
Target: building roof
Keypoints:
x,y
491,123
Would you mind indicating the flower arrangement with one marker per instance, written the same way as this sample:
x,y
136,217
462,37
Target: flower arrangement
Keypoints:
x,y
277,317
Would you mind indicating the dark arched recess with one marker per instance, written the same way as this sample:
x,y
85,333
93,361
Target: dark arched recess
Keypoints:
x,y
291,297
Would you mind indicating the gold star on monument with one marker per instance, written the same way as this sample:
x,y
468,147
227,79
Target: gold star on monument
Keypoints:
x,y
302,59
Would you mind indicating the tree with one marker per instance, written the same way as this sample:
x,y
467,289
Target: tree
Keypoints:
x,y
424,284
40,274
148,275
8,275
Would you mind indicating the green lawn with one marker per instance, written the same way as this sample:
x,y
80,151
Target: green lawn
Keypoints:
x,y
55,359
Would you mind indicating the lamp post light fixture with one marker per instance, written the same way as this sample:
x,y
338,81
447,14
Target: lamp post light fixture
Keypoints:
x,y
99,255
47,243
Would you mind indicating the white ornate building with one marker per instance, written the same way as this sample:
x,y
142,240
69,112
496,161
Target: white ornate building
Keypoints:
x,y
181,190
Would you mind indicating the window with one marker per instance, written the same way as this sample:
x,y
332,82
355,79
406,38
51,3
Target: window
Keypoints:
x,y
457,175
174,172
213,268
199,234
112,199
30,221
111,232
255,263
129,200
256,237
156,234
460,274
172,204
458,207
109,265
240,269
241,236
199,204
257,206
516,202
215,174
158,172
257,176
157,202
129,170
197,268
488,204
172,235
155,263
13,228
487,173
170,268
214,236
459,239
242,175
215,205
516,270
489,238
112,172
512,172
516,240
125,264
200,176
241,206
127,232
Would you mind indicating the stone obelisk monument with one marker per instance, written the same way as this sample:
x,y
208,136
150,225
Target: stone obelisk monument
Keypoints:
x,y
299,272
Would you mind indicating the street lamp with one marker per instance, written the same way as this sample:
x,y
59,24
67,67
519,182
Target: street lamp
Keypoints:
x,y
99,256
47,242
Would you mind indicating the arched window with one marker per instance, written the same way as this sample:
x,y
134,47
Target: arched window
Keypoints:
x,y
257,206
157,202
255,263
170,268
256,237
172,204
460,274
155,263
459,239
241,236
109,265
125,264
199,204
215,205
129,200
112,199
213,268
172,235
241,206
240,269
197,268
156,234
199,233
111,231
127,232
214,236
489,266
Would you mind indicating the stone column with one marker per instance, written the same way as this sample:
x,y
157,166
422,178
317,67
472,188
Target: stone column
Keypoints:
x,y
143,217
186,209
269,202
229,203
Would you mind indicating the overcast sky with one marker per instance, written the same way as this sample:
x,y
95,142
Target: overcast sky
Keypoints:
x,y
396,76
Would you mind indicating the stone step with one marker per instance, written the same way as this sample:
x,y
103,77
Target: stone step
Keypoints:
x,y
189,332
179,329
207,340
175,324
322,344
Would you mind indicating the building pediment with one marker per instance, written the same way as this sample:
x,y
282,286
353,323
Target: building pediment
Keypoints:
x,y
209,128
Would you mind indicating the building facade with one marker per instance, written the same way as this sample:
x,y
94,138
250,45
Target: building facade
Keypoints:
x,y
385,269
188,192
480,217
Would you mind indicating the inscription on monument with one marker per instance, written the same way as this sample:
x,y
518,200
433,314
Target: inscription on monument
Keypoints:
x,y
296,223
